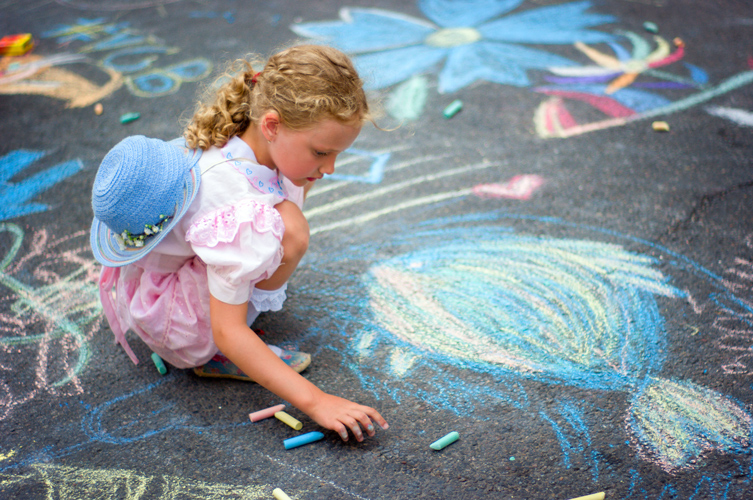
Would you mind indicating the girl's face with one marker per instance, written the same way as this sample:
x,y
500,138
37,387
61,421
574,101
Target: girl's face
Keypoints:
x,y
307,155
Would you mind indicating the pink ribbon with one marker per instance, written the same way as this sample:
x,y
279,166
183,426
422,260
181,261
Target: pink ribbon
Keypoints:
x,y
107,279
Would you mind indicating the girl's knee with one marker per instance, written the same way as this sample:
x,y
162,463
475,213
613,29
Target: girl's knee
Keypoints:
x,y
295,240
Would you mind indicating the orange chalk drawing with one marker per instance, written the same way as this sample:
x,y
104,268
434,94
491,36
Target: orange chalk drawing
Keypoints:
x,y
40,75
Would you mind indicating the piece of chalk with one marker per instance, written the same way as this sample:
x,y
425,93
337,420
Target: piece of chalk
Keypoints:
x,y
159,364
660,126
307,438
292,422
265,413
280,495
650,27
595,496
129,117
453,109
98,108
445,441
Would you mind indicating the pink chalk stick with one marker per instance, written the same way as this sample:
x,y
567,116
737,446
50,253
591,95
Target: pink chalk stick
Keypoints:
x,y
266,413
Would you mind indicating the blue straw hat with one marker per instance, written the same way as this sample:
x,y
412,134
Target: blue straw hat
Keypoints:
x,y
142,189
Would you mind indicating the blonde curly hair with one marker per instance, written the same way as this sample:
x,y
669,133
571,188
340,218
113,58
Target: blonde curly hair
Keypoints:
x,y
304,84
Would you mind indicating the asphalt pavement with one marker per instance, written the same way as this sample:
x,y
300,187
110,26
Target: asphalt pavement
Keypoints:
x,y
545,246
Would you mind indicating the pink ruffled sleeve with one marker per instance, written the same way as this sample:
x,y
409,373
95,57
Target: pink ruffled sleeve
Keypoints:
x,y
241,245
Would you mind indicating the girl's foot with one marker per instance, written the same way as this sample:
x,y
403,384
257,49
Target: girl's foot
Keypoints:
x,y
221,367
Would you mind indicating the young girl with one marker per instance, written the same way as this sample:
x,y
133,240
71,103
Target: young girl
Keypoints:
x,y
196,283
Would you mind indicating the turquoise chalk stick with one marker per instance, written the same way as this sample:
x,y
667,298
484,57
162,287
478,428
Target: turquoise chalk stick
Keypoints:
x,y
307,438
129,117
445,441
159,363
453,109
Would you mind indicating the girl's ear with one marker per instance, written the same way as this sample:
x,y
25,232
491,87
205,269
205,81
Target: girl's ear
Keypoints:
x,y
270,125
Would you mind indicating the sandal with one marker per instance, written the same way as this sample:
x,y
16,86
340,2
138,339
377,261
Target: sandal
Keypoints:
x,y
221,367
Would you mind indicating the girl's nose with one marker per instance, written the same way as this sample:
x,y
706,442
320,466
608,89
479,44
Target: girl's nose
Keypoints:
x,y
328,167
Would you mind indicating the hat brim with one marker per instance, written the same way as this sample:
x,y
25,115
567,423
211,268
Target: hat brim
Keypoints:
x,y
112,253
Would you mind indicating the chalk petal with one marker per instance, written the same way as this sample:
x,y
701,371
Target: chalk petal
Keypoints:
x,y
674,423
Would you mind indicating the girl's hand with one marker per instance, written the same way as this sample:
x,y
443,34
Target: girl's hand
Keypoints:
x,y
341,415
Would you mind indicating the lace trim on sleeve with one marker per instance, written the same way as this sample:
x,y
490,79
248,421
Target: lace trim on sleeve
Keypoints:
x,y
222,225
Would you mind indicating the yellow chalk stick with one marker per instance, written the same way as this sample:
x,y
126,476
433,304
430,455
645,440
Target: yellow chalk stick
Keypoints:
x,y
280,495
292,422
660,126
595,496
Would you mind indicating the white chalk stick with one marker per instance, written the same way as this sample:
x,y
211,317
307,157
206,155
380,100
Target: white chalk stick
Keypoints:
x,y
280,495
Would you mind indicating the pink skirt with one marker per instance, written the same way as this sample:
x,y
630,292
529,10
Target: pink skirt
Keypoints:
x,y
168,311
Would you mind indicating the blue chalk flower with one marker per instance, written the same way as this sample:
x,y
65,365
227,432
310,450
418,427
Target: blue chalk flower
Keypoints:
x,y
474,42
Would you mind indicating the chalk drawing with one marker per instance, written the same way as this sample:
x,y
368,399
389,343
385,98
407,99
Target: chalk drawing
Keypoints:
x,y
734,317
520,187
612,86
407,101
119,422
351,201
54,317
168,80
740,116
674,423
402,362
469,39
622,70
228,15
564,311
480,41
50,316
138,54
77,482
426,311
574,438
114,5
84,30
15,198
40,75
376,167
130,60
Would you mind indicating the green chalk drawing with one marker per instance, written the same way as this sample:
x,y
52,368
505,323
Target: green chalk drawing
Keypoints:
x,y
407,101
56,312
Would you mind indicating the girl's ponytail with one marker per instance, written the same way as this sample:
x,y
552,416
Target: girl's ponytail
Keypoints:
x,y
226,112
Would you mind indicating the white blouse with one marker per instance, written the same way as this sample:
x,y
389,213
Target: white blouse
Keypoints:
x,y
231,225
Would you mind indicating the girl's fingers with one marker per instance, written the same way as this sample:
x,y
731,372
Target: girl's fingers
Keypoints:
x,y
356,429
365,422
343,432
357,419
378,418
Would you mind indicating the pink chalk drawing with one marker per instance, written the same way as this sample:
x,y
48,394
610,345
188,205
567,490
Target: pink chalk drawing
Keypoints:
x,y
520,187
734,322
51,307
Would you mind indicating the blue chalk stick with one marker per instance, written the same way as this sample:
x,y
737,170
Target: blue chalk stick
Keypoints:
x,y
307,438
159,364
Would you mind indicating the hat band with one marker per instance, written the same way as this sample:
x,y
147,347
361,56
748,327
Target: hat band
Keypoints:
x,y
128,241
